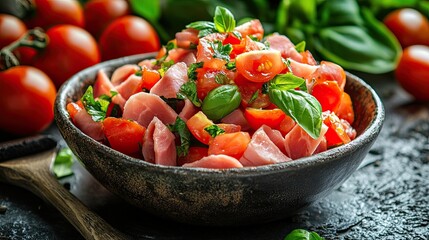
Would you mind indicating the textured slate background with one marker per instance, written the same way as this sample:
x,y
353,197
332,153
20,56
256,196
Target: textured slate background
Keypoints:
x,y
387,198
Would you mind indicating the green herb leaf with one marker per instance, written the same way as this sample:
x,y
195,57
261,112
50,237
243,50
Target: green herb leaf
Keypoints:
x,y
286,81
221,51
63,163
165,66
230,65
180,128
189,90
301,234
214,130
302,107
223,20
204,27
222,79
192,70
300,47
149,9
221,101
96,108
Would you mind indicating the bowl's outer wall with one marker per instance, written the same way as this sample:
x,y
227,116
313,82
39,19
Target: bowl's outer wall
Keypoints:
x,y
216,197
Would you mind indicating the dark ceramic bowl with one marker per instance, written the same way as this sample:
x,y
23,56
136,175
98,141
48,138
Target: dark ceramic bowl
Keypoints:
x,y
220,197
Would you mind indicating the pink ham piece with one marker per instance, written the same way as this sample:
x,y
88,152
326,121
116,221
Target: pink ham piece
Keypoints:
x,y
132,85
237,117
262,151
102,85
285,46
219,161
169,85
143,107
123,73
187,38
188,110
84,122
159,144
275,136
299,144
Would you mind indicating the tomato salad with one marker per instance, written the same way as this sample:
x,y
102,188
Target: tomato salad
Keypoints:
x,y
220,96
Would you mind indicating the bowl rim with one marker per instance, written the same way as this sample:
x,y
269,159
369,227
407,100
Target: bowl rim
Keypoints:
x,y
368,134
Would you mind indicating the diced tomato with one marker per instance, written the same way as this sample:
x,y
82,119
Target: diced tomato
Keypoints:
x,y
258,117
231,144
231,39
251,93
150,77
206,81
259,65
286,125
328,93
194,154
345,110
73,108
336,134
308,58
251,28
204,48
215,63
113,110
123,135
229,127
196,125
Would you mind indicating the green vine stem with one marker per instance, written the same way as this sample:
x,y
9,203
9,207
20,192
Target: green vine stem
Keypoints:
x,y
34,38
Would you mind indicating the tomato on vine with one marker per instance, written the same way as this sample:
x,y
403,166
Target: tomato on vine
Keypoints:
x,y
27,101
127,36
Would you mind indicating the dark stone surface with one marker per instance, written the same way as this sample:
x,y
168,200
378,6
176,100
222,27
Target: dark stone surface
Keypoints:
x,y
387,198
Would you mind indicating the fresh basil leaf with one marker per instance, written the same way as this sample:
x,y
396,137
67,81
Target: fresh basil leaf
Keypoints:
x,y
214,130
222,79
230,65
96,108
300,47
301,234
189,90
182,130
223,20
204,27
149,9
221,101
302,107
192,70
221,51
340,13
63,163
165,66
286,81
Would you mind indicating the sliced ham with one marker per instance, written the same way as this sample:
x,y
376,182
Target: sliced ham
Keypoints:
x,y
285,46
262,151
123,73
323,146
275,136
169,85
102,85
159,144
84,122
253,28
130,86
237,117
147,63
299,144
220,161
143,107
188,110
187,38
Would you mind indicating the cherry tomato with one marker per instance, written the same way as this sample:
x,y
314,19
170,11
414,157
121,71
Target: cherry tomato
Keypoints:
x,y
412,71
259,66
69,50
231,144
409,26
11,28
124,135
49,13
128,35
27,100
328,93
258,117
345,110
336,134
99,13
